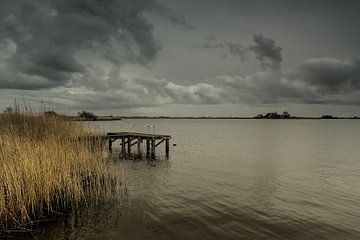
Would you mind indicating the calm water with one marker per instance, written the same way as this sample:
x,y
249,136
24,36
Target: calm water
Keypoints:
x,y
233,179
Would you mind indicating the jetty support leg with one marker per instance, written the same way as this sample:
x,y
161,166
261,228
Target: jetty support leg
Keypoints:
x,y
139,146
123,146
167,147
129,145
110,145
152,147
147,147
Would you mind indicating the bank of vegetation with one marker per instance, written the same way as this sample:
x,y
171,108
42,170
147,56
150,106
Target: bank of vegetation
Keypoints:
x,y
46,167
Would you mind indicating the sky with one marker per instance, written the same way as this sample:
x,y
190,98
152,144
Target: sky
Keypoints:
x,y
181,58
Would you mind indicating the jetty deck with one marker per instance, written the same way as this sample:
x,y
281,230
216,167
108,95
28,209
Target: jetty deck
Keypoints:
x,y
132,142
140,140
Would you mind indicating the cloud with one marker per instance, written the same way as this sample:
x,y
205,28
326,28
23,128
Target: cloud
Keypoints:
x,y
267,51
264,87
329,76
169,92
238,49
318,80
312,82
164,11
315,81
50,38
74,51
133,94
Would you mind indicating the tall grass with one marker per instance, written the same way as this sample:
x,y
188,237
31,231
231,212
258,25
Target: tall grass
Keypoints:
x,y
44,167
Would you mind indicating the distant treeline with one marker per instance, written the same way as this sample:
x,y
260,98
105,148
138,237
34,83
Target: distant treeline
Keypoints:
x,y
286,115
89,116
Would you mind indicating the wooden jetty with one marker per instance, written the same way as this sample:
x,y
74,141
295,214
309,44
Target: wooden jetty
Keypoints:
x,y
130,139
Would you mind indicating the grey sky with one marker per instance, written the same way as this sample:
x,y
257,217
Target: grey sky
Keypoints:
x,y
204,57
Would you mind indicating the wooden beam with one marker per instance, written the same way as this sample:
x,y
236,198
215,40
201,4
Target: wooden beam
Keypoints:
x,y
160,142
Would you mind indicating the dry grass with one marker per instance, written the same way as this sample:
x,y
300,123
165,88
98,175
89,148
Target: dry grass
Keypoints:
x,y
43,169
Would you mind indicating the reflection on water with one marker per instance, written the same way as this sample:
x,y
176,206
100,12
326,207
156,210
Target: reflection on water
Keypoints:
x,y
232,179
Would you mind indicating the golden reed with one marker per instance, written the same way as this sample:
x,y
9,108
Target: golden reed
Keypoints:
x,y
44,167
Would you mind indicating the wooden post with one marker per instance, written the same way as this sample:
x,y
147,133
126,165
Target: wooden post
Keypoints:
x,y
167,147
139,146
123,146
152,147
110,145
129,145
147,147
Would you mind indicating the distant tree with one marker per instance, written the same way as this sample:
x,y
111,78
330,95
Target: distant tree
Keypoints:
x,y
50,113
9,110
273,115
87,115
285,115
327,117
259,116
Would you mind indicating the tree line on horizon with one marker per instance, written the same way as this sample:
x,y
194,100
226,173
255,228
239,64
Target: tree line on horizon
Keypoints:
x,y
90,116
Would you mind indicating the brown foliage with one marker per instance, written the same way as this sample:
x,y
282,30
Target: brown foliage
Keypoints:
x,y
44,167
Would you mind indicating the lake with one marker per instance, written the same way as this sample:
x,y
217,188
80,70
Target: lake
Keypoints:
x,y
232,179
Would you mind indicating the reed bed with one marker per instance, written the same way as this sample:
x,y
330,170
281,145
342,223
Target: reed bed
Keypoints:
x,y
45,167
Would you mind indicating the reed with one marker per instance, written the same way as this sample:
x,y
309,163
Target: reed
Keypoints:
x,y
44,167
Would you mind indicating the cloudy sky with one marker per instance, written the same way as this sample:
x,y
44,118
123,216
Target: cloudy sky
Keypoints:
x,y
194,58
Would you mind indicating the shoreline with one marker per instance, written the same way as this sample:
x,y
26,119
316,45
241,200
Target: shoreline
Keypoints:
x,y
119,118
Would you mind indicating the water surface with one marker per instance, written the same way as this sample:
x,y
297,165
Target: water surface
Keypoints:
x,y
233,179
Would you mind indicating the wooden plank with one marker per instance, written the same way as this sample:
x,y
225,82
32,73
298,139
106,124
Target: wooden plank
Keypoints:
x,y
135,135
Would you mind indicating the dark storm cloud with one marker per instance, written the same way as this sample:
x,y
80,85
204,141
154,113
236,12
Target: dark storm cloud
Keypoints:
x,y
315,81
312,82
60,46
320,81
264,87
264,48
329,75
48,34
165,12
267,51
